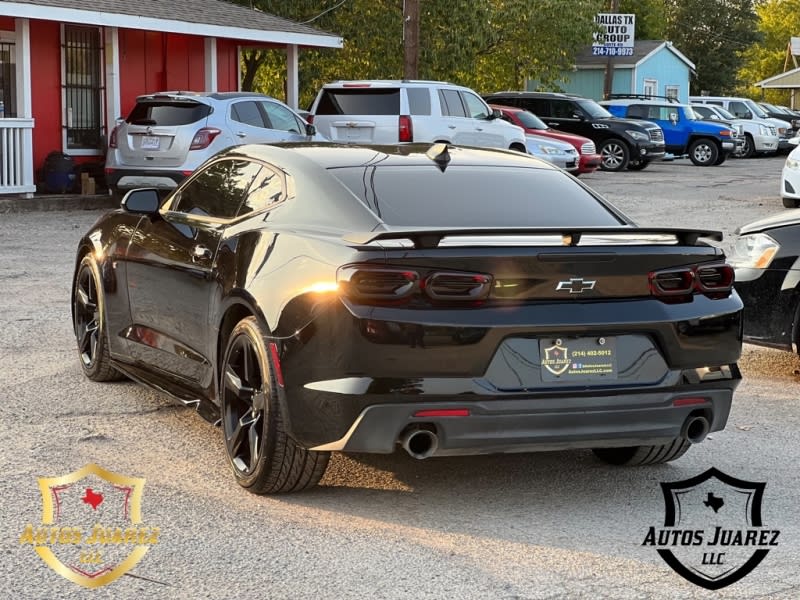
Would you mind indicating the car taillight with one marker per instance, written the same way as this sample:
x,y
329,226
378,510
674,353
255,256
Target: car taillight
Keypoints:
x,y
375,284
458,286
204,137
367,283
112,141
678,285
405,129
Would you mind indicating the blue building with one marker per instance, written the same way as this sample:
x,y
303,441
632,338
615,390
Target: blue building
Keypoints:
x,y
656,68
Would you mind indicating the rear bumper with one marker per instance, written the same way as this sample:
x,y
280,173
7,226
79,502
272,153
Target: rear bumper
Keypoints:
x,y
129,179
533,424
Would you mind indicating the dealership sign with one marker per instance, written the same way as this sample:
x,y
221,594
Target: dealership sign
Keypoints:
x,y
615,34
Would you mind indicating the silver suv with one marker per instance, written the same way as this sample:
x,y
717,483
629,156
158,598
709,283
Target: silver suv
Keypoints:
x,y
391,112
169,134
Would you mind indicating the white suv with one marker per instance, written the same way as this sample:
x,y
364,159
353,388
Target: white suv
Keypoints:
x,y
169,134
391,112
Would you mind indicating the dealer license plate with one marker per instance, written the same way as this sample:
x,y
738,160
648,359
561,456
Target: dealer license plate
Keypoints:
x,y
150,142
578,359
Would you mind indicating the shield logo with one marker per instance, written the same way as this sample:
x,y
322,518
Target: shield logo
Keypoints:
x,y
91,525
716,528
556,358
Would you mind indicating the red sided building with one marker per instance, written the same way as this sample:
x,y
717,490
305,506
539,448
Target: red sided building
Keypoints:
x,y
70,68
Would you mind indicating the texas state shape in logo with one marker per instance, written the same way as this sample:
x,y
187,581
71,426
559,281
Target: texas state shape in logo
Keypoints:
x,y
92,531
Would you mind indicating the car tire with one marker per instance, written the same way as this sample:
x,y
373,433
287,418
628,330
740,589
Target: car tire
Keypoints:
x,y
614,155
638,165
704,152
748,149
791,202
89,322
723,156
633,456
264,457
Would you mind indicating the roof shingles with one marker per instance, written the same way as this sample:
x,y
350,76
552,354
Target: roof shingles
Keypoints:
x,y
208,12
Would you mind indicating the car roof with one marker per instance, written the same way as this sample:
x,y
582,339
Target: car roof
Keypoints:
x,y
365,83
647,102
329,155
218,96
511,93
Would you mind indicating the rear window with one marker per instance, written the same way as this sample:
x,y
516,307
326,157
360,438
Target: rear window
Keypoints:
x,y
359,101
168,113
474,196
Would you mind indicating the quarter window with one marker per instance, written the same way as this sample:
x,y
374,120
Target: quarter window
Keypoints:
x,y
267,189
218,190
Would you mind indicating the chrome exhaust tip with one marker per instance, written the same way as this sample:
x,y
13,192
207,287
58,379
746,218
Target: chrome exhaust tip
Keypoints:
x,y
696,429
419,443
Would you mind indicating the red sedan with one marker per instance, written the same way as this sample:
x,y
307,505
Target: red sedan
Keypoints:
x,y
589,158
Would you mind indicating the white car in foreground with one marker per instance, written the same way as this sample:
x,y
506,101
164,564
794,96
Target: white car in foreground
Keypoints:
x,y
790,177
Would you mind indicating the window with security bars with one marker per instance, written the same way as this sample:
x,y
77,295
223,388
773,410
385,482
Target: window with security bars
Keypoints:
x,y
83,88
8,80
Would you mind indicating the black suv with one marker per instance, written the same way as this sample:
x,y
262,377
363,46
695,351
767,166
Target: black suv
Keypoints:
x,y
622,143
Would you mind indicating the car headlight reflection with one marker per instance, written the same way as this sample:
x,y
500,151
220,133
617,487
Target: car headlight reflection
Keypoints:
x,y
638,135
792,163
754,251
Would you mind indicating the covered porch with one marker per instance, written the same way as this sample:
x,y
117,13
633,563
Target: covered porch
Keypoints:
x,y
89,67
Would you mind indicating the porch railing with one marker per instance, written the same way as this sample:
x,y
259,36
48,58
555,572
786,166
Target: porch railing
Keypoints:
x,y
16,156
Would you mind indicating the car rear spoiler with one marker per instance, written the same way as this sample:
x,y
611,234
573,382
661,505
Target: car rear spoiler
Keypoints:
x,y
430,237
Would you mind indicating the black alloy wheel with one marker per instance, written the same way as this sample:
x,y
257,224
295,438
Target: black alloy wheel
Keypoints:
x,y
89,323
264,458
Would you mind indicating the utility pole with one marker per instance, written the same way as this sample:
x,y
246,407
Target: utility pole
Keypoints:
x,y
609,79
411,39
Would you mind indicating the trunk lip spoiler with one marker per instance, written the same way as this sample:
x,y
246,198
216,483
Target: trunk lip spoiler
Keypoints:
x,y
426,237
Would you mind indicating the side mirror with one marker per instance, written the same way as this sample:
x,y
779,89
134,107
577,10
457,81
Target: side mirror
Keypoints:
x,y
673,117
311,130
579,116
141,202
496,114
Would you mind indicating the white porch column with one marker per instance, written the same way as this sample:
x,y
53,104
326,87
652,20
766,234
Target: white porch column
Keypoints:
x,y
211,64
113,100
24,106
292,83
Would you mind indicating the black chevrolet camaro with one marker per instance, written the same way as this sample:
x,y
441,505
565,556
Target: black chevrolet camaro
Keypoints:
x,y
316,298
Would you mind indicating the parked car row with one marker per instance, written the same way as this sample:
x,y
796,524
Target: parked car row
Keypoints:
x,y
168,135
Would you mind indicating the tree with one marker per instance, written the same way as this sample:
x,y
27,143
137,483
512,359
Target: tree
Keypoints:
x,y
713,34
777,23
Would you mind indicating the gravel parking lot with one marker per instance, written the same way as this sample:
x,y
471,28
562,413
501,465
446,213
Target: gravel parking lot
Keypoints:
x,y
549,525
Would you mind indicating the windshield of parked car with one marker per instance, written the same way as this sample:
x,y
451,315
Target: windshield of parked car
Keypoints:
x,y
530,121
723,113
756,109
691,115
474,196
593,109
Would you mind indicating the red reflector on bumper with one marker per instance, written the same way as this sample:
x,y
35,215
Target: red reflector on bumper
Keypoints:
x,y
276,362
689,401
446,412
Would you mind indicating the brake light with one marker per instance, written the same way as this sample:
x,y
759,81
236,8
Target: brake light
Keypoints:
x,y
367,283
112,141
678,285
458,286
405,129
377,284
203,138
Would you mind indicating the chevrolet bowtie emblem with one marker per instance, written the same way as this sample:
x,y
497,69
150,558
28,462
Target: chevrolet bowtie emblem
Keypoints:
x,y
575,286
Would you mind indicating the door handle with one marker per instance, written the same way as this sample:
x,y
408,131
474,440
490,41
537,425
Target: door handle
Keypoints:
x,y
451,126
241,134
479,128
554,125
200,252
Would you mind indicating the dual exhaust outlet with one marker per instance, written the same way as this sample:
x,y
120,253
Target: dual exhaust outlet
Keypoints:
x,y
422,442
